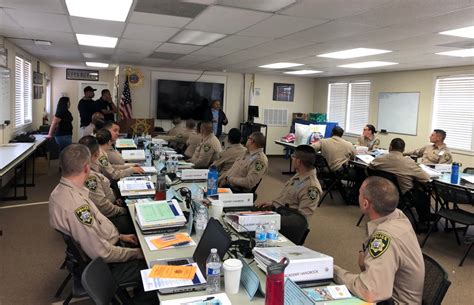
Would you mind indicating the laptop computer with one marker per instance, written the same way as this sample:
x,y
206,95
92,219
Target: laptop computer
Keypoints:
x,y
214,236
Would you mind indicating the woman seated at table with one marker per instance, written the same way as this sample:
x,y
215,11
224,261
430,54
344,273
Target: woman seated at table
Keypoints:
x,y
368,138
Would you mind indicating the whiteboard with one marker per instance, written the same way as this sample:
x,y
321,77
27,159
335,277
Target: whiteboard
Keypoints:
x,y
4,95
398,112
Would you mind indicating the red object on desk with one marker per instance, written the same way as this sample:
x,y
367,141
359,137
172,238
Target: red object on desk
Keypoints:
x,y
275,288
160,195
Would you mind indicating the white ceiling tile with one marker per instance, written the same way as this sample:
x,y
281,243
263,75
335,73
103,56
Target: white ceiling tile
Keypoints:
x,y
242,56
280,45
154,62
148,32
132,53
8,31
126,58
54,36
279,26
42,21
213,51
380,36
229,20
420,41
259,5
177,48
87,49
49,6
97,27
159,20
237,42
198,57
138,45
6,20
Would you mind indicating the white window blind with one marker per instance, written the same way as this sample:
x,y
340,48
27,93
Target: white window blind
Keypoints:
x,y
337,102
454,110
23,92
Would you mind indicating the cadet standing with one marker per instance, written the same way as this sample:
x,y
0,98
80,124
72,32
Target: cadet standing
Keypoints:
x,y
228,156
209,148
336,150
435,153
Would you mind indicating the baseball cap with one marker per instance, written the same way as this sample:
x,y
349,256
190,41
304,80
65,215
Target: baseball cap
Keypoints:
x,y
89,88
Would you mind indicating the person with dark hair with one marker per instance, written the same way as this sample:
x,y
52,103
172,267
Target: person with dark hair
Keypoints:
x,y
61,127
86,107
435,153
217,117
336,150
228,156
303,190
114,156
193,141
249,169
102,194
209,148
368,138
73,213
391,262
106,106
179,133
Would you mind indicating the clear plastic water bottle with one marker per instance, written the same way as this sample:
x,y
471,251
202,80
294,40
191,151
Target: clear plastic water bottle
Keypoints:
x,y
175,164
212,177
260,236
201,219
213,272
272,234
147,157
169,165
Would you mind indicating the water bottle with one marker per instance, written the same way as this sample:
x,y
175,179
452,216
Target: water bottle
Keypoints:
x,y
272,234
213,272
147,157
169,165
212,177
275,284
175,164
200,221
455,173
160,187
260,236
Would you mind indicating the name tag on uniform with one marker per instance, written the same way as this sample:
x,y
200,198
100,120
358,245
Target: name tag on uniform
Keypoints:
x,y
441,152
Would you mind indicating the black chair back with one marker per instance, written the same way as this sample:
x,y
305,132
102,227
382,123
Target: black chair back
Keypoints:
x,y
76,260
387,175
322,167
436,282
469,170
293,225
452,193
99,283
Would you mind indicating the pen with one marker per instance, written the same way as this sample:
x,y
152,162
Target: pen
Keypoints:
x,y
197,301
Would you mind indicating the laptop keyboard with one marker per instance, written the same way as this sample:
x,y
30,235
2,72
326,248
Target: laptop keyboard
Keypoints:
x,y
178,262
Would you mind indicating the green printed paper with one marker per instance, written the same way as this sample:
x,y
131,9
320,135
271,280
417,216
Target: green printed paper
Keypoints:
x,y
155,211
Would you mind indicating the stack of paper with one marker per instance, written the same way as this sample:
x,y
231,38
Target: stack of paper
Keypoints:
x,y
168,241
159,214
155,283
132,187
365,158
431,172
133,155
125,143
185,165
214,299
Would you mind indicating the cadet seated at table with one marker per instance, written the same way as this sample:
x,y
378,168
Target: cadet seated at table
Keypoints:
x,y
209,148
228,156
193,140
114,156
435,153
336,150
368,138
73,213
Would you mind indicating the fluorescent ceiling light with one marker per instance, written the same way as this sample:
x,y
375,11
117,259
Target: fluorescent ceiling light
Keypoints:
x,y
467,32
96,41
353,53
114,10
281,65
303,72
459,53
369,64
196,37
97,64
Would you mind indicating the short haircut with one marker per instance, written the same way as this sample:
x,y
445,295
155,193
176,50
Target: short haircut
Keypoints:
x,y
234,136
73,158
190,124
258,139
103,136
441,133
206,127
371,128
306,154
198,127
337,131
382,194
104,91
176,120
91,143
109,124
214,101
397,144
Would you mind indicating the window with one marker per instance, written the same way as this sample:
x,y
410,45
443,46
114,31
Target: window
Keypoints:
x,y
348,105
454,110
23,92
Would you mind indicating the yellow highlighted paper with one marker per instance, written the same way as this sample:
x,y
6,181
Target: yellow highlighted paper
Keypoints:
x,y
173,272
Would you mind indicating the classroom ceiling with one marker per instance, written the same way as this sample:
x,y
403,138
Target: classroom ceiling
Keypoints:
x,y
252,32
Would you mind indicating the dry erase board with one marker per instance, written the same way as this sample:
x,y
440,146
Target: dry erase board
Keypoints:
x,y
4,95
398,112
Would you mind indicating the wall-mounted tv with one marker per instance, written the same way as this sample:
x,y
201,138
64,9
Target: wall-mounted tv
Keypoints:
x,y
186,99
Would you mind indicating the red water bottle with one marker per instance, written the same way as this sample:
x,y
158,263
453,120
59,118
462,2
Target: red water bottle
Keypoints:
x,y
275,287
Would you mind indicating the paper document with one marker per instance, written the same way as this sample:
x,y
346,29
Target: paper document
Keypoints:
x,y
210,299
150,284
431,172
173,272
155,212
468,178
151,245
365,158
125,143
149,169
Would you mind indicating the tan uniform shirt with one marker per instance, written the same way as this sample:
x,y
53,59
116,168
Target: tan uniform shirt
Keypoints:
x,y
336,150
192,143
179,133
371,144
393,262
404,168
206,152
228,156
247,170
101,194
301,193
73,213
115,157
431,154
111,172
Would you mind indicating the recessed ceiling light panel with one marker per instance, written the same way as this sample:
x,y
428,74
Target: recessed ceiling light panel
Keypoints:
x,y
368,64
280,65
303,72
467,32
196,37
97,64
459,53
96,41
113,10
353,53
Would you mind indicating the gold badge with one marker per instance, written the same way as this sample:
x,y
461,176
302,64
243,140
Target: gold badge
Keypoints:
x,y
312,193
103,161
83,213
378,244
207,147
259,165
91,183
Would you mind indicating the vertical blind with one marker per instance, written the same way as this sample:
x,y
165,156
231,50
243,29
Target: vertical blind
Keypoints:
x,y
337,102
23,92
454,110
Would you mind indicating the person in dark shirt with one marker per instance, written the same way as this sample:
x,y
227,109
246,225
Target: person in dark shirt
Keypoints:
x,y
217,117
61,127
86,108
106,106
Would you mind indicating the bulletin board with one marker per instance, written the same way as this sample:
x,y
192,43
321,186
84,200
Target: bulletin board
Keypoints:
x,y
398,112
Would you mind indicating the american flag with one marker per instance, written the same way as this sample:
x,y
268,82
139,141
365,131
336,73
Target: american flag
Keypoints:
x,y
126,102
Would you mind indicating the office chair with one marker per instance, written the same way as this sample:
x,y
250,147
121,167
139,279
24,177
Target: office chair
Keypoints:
x,y
293,225
469,170
326,176
436,282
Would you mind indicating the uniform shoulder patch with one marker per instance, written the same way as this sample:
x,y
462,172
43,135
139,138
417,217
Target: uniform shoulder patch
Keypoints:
x,y
379,243
103,161
259,165
206,147
84,215
312,193
91,183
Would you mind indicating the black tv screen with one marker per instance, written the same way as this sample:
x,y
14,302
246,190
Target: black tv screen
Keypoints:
x,y
188,100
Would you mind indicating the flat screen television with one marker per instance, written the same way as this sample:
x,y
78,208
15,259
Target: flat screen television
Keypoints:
x,y
188,100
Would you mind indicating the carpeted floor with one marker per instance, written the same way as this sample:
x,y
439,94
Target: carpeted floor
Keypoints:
x,y
31,252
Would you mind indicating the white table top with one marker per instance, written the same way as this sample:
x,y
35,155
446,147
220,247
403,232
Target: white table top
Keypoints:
x,y
291,145
13,153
